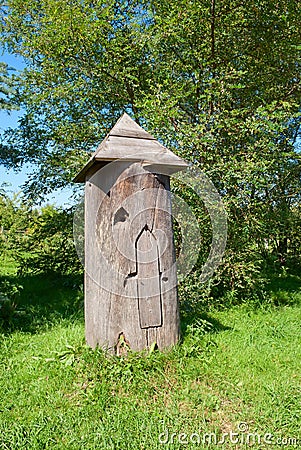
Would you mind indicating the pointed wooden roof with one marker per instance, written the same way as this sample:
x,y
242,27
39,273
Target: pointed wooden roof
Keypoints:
x,y
129,142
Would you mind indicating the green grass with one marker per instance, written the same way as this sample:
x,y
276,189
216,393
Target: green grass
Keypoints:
x,y
238,367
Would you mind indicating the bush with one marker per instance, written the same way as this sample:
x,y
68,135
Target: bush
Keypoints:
x,y
39,240
47,245
9,293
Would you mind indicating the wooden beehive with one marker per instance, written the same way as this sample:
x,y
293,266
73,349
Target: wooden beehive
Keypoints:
x,y
130,272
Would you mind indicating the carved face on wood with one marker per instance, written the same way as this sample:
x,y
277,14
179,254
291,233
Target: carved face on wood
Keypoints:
x,y
130,274
133,229
133,263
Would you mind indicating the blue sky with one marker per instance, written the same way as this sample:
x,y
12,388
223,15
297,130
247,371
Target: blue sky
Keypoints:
x,y
14,180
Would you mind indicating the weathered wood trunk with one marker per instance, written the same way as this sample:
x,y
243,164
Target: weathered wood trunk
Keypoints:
x,y
130,282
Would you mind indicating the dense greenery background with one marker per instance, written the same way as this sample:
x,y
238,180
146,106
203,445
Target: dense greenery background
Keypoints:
x,y
217,82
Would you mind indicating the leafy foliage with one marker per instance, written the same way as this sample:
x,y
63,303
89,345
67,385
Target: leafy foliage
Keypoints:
x,y
40,241
218,82
48,245
6,88
9,292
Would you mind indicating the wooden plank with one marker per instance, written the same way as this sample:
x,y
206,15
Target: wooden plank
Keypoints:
x,y
115,147
127,127
169,334
148,281
96,311
128,140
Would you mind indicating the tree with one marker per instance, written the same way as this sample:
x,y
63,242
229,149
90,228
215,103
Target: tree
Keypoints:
x,y
218,82
6,99
6,88
86,64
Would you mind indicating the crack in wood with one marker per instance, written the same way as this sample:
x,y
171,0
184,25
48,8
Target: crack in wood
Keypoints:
x,y
130,275
122,346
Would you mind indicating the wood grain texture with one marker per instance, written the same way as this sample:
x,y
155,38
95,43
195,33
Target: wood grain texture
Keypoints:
x,y
148,280
116,147
130,281
126,127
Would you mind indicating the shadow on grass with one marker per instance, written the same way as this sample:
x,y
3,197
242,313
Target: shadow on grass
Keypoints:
x,y
284,290
47,299
43,301
201,321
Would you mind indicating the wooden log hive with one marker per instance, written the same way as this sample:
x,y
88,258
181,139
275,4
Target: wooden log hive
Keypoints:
x,y
130,269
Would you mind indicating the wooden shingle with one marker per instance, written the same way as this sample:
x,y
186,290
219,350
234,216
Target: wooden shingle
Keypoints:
x,y
129,142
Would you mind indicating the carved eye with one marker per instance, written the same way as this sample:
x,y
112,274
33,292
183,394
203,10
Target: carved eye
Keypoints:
x,y
121,215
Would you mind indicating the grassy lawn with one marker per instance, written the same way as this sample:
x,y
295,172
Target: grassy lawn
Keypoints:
x,y
236,370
